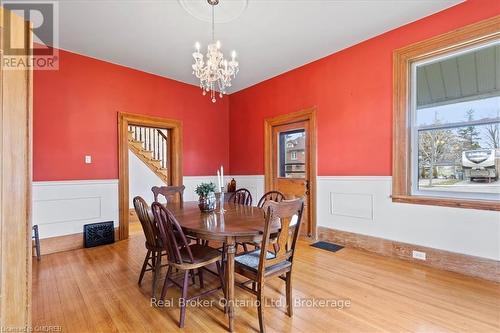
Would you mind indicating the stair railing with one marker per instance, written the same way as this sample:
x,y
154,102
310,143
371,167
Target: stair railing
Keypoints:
x,y
153,140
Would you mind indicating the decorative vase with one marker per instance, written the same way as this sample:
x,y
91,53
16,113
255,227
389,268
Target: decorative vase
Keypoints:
x,y
207,203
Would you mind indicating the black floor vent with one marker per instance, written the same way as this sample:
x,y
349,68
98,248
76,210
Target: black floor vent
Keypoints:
x,y
95,234
327,246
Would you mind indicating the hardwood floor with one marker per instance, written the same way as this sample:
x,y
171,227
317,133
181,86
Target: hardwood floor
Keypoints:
x,y
95,290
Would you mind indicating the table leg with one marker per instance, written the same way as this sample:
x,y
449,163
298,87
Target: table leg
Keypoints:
x,y
230,280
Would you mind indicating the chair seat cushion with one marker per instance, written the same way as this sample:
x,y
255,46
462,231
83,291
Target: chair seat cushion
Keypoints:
x,y
201,253
250,260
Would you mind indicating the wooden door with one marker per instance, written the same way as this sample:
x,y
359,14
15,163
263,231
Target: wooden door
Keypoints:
x,y
15,180
291,163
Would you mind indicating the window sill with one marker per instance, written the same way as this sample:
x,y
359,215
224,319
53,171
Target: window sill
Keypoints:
x,y
448,202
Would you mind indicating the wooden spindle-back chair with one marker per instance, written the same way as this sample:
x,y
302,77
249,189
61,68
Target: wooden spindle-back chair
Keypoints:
x,y
184,256
242,196
155,249
261,264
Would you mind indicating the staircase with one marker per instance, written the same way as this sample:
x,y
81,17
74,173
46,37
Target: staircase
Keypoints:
x,y
150,145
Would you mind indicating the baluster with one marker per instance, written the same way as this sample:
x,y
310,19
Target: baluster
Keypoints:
x,y
151,140
148,131
161,149
143,137
156,145
164,152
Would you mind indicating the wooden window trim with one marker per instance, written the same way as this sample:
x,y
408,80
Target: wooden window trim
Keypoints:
x,y
471,35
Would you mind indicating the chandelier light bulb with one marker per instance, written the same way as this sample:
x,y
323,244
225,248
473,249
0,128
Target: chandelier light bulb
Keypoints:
x,y
197,46
218,44
233,55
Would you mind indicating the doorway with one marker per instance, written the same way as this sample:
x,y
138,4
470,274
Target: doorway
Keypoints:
x,y
290,161
151,131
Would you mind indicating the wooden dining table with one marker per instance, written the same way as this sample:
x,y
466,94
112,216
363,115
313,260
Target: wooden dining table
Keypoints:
x,y
238,223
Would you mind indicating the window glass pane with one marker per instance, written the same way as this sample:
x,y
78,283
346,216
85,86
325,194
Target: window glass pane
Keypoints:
x,y
463,159
455,124
292,154
476,110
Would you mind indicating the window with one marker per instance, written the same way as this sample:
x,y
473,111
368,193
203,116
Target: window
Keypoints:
x,y
447,119
290,164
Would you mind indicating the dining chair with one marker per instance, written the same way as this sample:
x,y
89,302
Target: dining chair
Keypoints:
x,y
184,256
169,192
155,249
271,196
242,196
275,196
260,265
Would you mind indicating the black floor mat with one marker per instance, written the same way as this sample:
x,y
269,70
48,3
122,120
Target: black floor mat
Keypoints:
x,y
327,246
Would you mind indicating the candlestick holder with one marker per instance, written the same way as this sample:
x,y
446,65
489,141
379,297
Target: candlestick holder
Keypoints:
x,y
221,198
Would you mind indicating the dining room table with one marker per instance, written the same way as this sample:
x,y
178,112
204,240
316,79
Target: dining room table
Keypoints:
x,y
237,223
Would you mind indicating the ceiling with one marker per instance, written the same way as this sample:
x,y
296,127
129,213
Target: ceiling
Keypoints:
x,y
270,36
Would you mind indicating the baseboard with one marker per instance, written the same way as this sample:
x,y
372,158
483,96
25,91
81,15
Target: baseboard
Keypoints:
x,y
64,243
456,262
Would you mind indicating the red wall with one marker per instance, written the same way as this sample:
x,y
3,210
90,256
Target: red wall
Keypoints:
x,y
75,114
352,90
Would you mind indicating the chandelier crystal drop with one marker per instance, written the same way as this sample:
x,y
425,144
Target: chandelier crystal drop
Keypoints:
x,y
215,72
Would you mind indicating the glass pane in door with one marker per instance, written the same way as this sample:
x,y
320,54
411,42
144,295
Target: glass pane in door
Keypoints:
x,y
292,157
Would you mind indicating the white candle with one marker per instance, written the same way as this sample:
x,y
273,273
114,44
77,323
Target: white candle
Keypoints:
x,y
222,175
218,177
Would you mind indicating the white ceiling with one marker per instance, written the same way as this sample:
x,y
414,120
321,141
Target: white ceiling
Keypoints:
x,y
270,36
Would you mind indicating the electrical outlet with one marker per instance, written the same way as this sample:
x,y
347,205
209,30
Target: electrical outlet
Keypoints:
x,y
88,159
418,255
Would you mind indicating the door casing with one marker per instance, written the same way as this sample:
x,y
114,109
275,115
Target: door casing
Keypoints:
x,y
175,163
309,115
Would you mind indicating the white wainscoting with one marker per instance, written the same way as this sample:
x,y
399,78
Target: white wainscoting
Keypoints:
x,y
362,204
253,183
354,204
63,207
192,181
355,199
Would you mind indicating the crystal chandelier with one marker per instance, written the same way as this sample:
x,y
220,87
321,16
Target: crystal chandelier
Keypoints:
x,y
215,73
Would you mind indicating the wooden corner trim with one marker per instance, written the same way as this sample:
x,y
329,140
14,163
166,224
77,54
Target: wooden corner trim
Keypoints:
x,y
484,268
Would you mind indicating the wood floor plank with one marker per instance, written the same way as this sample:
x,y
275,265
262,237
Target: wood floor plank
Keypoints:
x,y
95,290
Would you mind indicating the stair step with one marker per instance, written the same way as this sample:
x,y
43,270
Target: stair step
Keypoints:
x,y
134,141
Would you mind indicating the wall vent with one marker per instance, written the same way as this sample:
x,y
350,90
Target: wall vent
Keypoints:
x,y
95,234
